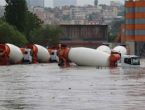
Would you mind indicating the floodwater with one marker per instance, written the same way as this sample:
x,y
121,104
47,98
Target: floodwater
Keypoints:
x,y
48,87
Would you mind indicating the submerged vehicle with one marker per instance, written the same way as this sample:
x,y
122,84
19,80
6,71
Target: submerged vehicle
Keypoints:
x,y
53,56
27,56
89,57
39,53
10,54
82,56
32,53
130,61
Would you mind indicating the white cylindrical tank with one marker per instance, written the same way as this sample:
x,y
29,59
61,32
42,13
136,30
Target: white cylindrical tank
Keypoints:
x,y
42,54
88,57
104,48
15,54
120,49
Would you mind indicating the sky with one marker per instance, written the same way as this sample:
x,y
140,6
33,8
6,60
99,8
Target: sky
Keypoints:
x,y
49,3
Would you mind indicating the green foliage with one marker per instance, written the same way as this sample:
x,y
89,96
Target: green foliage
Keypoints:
x,y
8,34
47,35
32,23
15,13
115,29
2,19
112,38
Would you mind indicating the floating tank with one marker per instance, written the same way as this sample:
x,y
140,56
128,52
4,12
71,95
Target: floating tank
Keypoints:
x,y
10,53
39,53
104,48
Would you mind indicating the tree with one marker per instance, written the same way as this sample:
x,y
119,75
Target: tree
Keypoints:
x,y
15,13
115,28
32,23
9,34
47,35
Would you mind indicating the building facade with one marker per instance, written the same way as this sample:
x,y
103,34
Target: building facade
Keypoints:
x,y
60,3
135,20
95,2
133,31
84,35
35,3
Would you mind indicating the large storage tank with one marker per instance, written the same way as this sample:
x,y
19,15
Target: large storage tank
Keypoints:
x,y
88,57
104,48
120,49
40,53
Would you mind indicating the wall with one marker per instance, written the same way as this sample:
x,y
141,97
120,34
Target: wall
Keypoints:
x,y
89,35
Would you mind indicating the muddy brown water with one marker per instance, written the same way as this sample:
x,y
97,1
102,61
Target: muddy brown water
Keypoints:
x,y
48,87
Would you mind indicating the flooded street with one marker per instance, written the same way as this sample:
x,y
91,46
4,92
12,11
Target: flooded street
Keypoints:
x,y
48,87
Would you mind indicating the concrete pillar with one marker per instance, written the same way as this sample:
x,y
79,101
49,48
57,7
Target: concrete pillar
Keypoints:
x,y
130,48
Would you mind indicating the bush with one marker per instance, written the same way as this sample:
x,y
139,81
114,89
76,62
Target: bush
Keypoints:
x,y
47,35
115,29
9,34
32,23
